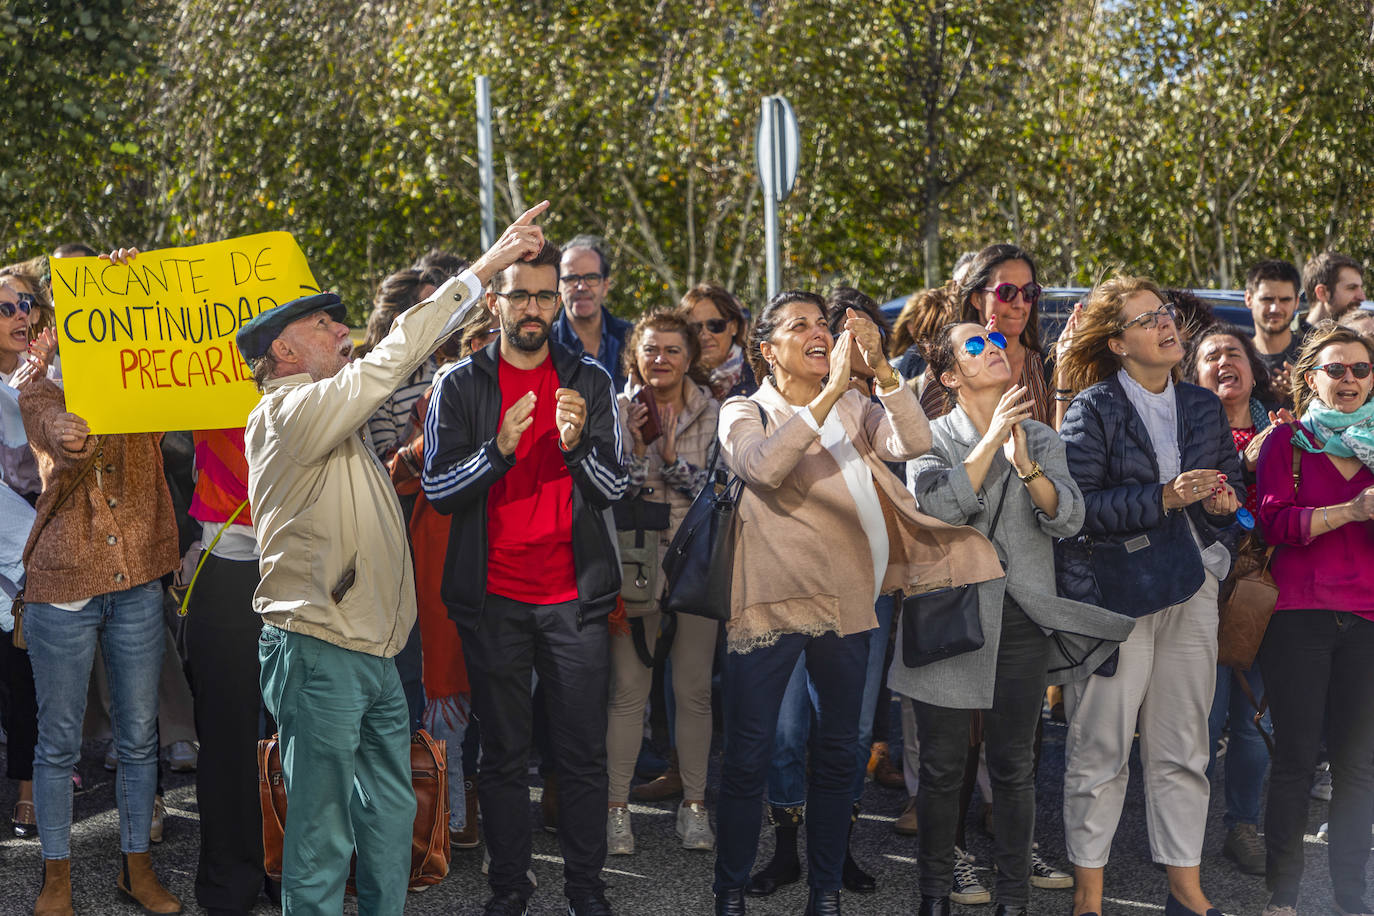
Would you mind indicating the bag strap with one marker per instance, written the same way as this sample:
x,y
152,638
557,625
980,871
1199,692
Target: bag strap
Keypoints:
x,y
1001,501
71,487
186,598
1259,705
715,450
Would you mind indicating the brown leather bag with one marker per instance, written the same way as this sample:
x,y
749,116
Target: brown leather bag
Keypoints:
x,y
1244,614
430,853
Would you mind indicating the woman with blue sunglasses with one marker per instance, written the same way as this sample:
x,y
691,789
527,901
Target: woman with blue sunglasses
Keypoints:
x,y
994,467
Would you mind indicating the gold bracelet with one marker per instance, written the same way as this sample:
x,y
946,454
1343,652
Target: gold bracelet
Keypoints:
x,y
1036,471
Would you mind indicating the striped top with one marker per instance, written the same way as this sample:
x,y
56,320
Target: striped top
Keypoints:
x,y
388,425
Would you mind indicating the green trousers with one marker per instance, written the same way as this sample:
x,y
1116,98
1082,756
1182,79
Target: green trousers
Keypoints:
x,y
345,753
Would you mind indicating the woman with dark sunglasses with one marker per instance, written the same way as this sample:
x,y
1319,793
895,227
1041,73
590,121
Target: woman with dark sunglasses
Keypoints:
x,y
1315,505
1001,292
991,460
1153,457
719,321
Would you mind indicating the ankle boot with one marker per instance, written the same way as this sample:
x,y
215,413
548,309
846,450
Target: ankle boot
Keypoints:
x,y
784,867
56,897
140,885
668,785
730,903
855,878
467,837
823,903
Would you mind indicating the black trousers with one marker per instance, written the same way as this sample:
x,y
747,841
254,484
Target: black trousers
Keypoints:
x,y
573,663
1009,736
20,710
1317,662
222,647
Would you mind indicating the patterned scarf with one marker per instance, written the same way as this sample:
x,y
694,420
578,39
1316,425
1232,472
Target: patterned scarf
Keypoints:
x,y
727,375
1346,435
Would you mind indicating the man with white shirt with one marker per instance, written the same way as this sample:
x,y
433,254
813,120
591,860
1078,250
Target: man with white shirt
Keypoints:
x,y
337,595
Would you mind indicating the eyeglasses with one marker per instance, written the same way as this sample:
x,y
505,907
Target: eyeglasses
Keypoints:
x,y
25,304
975,345
1006,292
1337,370
714,325
546,298
584,279
1151,320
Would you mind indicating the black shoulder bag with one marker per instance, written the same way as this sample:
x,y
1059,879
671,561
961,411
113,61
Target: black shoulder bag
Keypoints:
x,y
701,556
944,623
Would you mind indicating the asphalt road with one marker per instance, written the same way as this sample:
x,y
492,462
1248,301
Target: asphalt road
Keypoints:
x,y
662,877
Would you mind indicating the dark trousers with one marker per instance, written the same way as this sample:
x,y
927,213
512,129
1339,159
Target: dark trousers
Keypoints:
x,y
754,683
1009,736
222,646
1315,662
513,640
410,668
20,710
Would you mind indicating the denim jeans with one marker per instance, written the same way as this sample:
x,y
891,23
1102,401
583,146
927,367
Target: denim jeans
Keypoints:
x,y
1247,757
446,719
127,625
787,774
1009,738
754,685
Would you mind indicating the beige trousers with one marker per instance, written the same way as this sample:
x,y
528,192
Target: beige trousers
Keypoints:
x,y
1163,686
693,651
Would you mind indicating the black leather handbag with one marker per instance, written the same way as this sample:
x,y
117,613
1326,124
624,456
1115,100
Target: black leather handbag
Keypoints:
x,y
944,623
1148,572
701,557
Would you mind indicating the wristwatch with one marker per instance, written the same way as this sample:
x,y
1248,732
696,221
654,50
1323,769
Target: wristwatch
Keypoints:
x,y
891,382
1036,471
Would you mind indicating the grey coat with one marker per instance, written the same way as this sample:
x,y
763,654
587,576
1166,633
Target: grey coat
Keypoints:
x,y
1083,636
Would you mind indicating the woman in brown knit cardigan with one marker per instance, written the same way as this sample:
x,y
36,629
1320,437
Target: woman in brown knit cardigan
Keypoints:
x,y
93,581
825,528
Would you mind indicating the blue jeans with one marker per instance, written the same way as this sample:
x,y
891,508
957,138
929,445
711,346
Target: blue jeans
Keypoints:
x,y
754,686
1247,757
787,774
128,626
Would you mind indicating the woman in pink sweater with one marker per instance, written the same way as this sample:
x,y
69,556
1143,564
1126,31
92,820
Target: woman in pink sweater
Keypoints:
x,y
1315,505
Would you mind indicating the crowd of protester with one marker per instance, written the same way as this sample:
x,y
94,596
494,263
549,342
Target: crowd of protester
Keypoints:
x,y
461,524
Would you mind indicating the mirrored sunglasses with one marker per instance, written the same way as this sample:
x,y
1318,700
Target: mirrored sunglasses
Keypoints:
x,y
975,345
25,304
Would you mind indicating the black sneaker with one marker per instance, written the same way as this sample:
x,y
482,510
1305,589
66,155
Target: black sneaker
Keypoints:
x,y
507,904
594,905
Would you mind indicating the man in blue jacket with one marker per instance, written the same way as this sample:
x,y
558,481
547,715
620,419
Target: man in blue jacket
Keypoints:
x,y
586,325
522,447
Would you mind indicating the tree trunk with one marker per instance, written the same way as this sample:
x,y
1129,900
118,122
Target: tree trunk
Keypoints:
x,y
930,242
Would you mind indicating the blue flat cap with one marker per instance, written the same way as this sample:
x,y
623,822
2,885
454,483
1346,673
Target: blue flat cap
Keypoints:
x,y
256,336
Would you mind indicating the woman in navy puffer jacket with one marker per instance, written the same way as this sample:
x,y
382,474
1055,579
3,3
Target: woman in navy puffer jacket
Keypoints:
x,y
1153,458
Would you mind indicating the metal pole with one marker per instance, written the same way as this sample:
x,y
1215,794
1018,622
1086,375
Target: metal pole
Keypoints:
x,y
770,201
486,174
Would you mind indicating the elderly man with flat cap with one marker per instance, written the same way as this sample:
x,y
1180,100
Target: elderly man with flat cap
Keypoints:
x,y
337,595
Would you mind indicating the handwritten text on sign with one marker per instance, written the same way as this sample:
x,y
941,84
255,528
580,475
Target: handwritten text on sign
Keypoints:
x,y
150,346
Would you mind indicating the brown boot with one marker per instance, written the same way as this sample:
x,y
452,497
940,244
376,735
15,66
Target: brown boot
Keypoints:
x,y
467,837
882,768
667,786
56,897
140,885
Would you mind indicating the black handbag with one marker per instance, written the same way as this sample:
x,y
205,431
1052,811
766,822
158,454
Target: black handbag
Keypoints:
x,y
1150,571
701,557
944,623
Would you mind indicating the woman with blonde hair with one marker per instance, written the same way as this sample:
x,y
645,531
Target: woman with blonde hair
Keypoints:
x,y
924,314
1153,457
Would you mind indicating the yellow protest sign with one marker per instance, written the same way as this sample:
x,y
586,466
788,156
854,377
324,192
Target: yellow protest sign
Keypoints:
x,y
149,346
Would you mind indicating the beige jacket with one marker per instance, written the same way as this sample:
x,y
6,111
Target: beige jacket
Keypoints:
x,y
323,505
802,562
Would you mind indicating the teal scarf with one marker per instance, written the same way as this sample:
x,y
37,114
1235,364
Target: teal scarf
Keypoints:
x,y
1346,435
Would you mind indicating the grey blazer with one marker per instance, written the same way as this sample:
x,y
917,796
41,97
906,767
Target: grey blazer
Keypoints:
x,y
1083,636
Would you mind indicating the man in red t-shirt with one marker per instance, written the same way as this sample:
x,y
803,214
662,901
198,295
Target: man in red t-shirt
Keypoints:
x,y
522,447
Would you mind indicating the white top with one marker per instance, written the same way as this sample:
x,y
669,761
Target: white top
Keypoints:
x,y
859,480
1160,413
239,541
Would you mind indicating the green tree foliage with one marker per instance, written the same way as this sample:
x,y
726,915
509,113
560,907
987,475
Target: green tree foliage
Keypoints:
x,y
1171,137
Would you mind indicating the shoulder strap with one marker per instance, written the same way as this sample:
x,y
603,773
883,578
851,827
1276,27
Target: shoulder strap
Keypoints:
x,y
714,453
1001,501
62,498
1297,461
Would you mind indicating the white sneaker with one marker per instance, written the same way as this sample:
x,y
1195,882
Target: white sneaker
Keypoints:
x,y
967,888
620,839
1321,783
694,827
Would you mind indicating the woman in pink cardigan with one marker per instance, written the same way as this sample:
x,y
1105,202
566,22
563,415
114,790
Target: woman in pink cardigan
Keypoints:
x,y
824,529
1318,652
